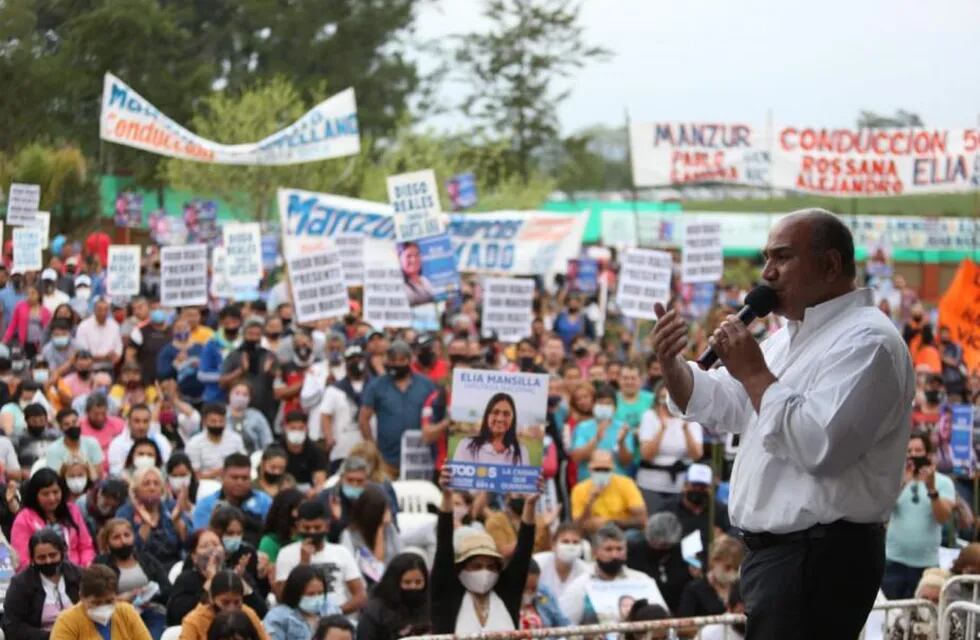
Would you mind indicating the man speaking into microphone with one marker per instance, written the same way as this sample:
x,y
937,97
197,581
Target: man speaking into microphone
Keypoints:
x,y
823,412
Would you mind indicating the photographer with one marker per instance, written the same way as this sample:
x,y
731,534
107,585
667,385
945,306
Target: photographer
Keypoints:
x,y
915,528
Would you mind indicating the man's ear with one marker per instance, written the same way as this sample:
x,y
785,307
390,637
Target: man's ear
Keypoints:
x,y
833,264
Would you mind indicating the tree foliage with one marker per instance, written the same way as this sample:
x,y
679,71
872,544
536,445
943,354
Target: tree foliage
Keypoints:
x,y
60,172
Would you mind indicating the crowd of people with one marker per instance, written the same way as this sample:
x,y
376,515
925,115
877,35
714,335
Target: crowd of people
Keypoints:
x,y
230,471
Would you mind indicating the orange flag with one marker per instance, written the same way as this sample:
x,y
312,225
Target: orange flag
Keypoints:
x,y
959,310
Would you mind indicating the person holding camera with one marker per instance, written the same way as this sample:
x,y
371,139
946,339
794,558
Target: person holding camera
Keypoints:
x,y
915,528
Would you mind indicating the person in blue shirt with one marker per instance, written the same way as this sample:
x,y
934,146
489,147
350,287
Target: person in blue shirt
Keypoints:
x,y
539,606
603,431
10,295
631,401
180,359
572,322
396,398
225,341
236,490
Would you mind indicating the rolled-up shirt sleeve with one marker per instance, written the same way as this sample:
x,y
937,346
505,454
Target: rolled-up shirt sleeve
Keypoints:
x,y
837,419
718,401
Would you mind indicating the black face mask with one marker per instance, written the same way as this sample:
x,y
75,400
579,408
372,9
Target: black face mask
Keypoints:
x,y
73,433
413,598
354,369
697,498
457,360
427,358
272,478
303,353
932,396
580,352
216,431
121,553
231,334
516,505
610,567
83,373
36,432
250,345
49,569
350,319
399,372
525,363
316,539
273,336
554,401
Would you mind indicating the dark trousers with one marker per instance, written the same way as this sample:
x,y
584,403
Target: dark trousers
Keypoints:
x,y
900,580
819,588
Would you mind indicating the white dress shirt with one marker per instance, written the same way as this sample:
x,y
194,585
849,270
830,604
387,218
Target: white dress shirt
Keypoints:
x,y
99,339
829,440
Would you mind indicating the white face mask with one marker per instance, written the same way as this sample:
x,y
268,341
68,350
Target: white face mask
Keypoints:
x,y
77,485
144,462
601,478
480,581
461,512
101,614
527,599
724,578
83,293
295,437
603,412
179,483
568,552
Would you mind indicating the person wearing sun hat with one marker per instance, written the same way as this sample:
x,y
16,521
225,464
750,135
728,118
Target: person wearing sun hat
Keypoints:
x,y
472,590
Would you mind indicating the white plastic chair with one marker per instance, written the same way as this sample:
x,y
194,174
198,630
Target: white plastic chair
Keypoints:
x,y
414,496
256,459
207,487
170,633
175,572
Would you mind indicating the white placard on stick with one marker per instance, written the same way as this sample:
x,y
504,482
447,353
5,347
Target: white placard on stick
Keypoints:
x,y
318,286
220,286
184,275
644,279
385,301
42,220
22,203
123,271
243,253
351,249
414,199
27,249
702,259
507,306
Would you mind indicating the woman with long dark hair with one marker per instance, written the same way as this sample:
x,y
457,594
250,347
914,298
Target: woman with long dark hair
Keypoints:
x,y
418,289
497,441
27,323
38,595
303,603
225,592
280,528
370,535
45,504
399,603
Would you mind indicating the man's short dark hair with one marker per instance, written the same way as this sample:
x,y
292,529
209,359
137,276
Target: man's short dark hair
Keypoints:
x,y
829,233
295,415
64,413
34,410
96,401
230,311
237,461
60,324
213,408
335,621
140,406
311,510
98,581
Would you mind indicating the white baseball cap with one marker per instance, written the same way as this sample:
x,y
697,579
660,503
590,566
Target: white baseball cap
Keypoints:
x,y
49,274
699,474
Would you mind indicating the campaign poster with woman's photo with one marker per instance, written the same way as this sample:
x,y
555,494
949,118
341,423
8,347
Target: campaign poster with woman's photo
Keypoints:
x,y
429,268
497,433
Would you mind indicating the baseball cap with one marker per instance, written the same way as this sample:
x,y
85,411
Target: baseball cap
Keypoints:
x,y
478,543
699,474
49,274
353,351
83,281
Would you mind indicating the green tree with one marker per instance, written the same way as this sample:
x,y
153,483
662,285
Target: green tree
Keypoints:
x,y
62,174
514,69
254,114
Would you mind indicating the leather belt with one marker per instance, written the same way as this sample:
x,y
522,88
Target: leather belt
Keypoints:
x,y
764,540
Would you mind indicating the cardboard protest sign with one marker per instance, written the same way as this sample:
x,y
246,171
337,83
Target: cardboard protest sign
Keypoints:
x,y
328,130
184,275
27,249
123,271
497,433
959,309
414,200
42,221
350,246
243,253
961,439
318,286
385,302
428,269
416,459
702,259
22,203
507,307
583,275
644,279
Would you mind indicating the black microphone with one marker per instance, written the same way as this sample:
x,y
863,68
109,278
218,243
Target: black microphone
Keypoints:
x,y
758,304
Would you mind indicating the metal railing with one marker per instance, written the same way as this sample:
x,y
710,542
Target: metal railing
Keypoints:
x,y
969,609
905,620
972,581
671,626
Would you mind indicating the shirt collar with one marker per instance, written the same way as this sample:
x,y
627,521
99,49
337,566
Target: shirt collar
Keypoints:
x,y
816,316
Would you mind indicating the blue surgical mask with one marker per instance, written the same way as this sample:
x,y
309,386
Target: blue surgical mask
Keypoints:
x,y
158,316
312,605
61,341
352,493
182,336
231,543
603,412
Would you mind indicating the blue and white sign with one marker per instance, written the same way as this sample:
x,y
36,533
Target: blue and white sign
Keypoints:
x,y
961,439
429,269
462,191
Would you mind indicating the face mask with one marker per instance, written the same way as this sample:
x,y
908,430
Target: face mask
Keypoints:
x,y
527,599
295,437
231,543
18,365
36,432
180,483
73,433
603,412
273,336
480,581
516,505
104,507
312,605
272,478
601,478
610,567
83,373
101,614
399,372
77,485
568,552
352,493
83,293
459,513
724,578
413,598
525,363
182,336
427,358
216,431
554,401
334,357
697,498
40,376
158,316
133,384
230,334
49,569
354,369
144,462
167,418
580,352
932,396
457,360
239,401
121,553
250,345
304,353
61,341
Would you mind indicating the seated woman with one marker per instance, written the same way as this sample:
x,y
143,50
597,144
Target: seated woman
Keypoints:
x,y
182,483
98,614
241,557
143,580
272,477
206,558
100,504
37,596
75,472
144,453
161,528
370,535
399,603
45,504
232,625
224,592
707,596
539,607
280,529
303,603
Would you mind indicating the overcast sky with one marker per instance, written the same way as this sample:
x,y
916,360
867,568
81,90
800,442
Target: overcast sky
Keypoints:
x,y
812,63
